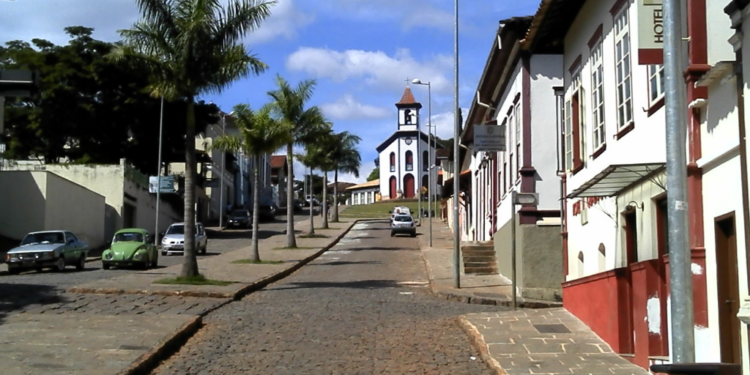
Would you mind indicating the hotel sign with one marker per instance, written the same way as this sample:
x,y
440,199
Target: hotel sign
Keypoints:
x,y
489,138
650,32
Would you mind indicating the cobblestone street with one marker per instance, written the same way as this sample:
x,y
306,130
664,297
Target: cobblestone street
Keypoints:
x,y
361,308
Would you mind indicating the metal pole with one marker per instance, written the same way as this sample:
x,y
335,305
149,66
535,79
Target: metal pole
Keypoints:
x,y
221,177
681,284
418,185
430,154
456,166
242,180
158,176
513,245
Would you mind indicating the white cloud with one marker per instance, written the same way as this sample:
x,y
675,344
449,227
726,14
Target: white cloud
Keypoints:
x,y
348,108
285,20
376,68
444,123
46,19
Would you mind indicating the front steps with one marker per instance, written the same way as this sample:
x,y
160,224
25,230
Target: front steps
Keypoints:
x,y
479,259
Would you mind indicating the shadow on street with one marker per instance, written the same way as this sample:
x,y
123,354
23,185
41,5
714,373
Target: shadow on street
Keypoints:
x,y
363,284
342,263
17,296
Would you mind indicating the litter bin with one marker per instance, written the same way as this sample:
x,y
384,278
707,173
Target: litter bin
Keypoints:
x,y
699,369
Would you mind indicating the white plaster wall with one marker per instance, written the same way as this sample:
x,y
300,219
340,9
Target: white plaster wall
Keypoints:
x,y
643,194
722,194
22,202
718,28
587,235
73,207
546,72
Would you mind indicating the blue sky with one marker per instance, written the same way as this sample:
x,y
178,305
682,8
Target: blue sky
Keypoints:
x,y
359,51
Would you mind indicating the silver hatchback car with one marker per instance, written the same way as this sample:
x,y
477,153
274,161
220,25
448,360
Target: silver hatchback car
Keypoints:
x,y
403,224
174,239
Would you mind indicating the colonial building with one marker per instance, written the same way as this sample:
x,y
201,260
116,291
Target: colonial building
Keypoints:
x,y
403,157
517,94
616,255
364,193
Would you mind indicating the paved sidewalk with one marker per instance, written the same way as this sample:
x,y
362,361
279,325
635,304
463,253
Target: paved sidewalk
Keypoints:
x,y
127,324
527,341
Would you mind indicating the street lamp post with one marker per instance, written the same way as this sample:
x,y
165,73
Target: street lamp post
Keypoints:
x,y
456,151
430,151
221,177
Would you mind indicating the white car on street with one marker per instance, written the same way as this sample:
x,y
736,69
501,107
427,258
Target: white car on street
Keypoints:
x,y
174,239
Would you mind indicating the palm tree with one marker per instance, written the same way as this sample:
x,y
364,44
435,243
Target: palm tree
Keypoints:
x,y
289,106
259,135
193,47
346,159
310,159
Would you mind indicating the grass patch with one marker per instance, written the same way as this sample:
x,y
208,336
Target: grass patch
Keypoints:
x,y
248,261
192,280
315,235
295,248
379,210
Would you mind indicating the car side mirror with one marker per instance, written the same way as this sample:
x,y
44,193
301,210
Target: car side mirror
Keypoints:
x,y
70,241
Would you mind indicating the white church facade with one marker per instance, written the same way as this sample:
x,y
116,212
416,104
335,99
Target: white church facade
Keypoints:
x,y
403,158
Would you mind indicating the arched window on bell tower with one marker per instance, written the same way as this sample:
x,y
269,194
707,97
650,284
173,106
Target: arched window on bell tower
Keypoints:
x,y
393,161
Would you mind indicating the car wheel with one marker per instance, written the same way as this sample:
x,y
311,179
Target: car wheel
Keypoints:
x,y
203,250
393,234
155,263
105,266
164,253
414,234
14,270
81,263
60,264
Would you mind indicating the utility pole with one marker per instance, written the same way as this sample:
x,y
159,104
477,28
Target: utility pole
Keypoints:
x,y
681,283
456,156
221,177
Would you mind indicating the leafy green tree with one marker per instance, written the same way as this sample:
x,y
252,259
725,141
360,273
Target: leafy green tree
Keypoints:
x,y
289,106
345,158
192,47
90,109
374,175
259,135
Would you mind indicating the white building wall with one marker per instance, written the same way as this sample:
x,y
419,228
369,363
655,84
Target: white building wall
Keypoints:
x,y
722,194
546,72
399,147
644,144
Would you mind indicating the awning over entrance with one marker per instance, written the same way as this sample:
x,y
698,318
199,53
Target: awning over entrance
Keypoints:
x,y
615,179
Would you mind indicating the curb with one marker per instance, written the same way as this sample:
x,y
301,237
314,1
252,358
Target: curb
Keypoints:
x,y
236,295
151,359
477,341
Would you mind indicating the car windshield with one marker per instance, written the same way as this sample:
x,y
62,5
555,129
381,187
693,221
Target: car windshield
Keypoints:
x,y
404,218
128,237
240,213
43,237
176,229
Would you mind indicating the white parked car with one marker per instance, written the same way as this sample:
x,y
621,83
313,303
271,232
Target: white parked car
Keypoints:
x,y
174,239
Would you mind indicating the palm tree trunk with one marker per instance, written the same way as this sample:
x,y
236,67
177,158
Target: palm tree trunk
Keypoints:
x,y
254,253
312,215
335,215
324,204
291,241
189,261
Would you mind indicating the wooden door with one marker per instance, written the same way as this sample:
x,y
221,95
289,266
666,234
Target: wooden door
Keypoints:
x,y
409,186
727,288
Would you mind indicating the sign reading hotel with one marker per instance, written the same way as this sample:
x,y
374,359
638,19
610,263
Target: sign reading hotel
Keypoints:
x,y
489,138
650,32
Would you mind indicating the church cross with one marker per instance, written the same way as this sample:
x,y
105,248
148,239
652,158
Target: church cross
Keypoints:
x,y
407,81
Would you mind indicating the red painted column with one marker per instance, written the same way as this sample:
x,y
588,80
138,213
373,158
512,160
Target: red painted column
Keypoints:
x,y
697,52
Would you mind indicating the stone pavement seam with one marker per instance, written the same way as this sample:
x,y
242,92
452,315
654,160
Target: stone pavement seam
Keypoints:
x,y
149,360
477,341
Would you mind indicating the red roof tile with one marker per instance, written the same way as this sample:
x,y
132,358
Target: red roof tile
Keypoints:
x,y
277,161
408,97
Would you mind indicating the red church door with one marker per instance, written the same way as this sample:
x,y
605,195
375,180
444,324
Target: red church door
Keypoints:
x,y
392,188
409,186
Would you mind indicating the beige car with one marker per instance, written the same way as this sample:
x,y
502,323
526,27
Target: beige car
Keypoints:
x,y
399,210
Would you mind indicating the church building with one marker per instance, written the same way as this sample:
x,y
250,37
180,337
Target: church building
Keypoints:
x,y
403,158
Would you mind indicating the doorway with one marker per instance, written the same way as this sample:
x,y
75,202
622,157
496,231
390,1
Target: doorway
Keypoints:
x,y
727,282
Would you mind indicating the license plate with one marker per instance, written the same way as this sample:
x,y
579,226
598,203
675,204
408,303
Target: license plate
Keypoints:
x,y
177,247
